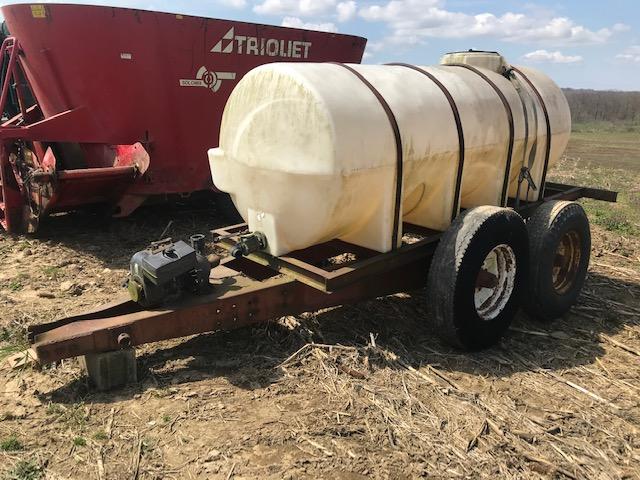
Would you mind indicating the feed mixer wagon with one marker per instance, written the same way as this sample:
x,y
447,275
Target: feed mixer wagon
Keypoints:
x,y
109,106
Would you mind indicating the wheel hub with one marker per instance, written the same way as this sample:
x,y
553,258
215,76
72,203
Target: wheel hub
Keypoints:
x,y
566,262
495,282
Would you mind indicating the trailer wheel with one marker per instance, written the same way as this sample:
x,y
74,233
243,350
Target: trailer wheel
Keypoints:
x,y
476,276
560,246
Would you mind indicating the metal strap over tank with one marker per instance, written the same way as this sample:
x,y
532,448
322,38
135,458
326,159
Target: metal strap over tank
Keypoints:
x,y
507,107
398,140
547,151
456,117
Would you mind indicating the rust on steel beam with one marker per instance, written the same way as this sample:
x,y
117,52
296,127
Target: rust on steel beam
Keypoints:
x,y
121,306
338,278
236,300
587,192
559,191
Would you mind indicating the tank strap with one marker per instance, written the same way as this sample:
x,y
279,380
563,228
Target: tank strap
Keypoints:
x,y
507,107
547,151
458,121
525,113
398,140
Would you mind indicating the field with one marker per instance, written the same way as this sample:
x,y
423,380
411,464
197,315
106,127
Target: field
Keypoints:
x,y
363,391
607,156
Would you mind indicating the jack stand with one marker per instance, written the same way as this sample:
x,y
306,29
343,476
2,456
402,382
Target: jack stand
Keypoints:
x,y
111,370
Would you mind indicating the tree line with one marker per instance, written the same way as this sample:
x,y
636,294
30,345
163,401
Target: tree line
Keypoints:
x,y
603,105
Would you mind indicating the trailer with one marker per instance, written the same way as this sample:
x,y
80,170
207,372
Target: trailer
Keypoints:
x,y
249,287
106,107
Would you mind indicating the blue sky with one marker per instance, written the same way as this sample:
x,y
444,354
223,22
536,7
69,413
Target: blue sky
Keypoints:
x,y
581,44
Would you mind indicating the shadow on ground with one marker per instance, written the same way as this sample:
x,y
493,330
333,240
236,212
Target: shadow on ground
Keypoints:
x,y
114,240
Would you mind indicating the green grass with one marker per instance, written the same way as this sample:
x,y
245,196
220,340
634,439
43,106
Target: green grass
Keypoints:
x,y
606,156
8,350
12,340
54,409
601,127
52,272
100,435
74,416
15,285
23,246
5,248
11,444
79,442
25,470
613,218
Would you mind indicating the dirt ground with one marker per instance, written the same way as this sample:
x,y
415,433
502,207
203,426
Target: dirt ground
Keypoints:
x,y
363,391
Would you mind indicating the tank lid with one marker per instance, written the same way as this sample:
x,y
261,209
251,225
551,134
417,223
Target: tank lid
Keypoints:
x,y
477,58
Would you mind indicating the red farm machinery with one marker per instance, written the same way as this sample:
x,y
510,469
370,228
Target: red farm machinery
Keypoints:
x,y
110,106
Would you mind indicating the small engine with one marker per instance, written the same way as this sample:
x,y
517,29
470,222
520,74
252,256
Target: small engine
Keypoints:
x,y
167,270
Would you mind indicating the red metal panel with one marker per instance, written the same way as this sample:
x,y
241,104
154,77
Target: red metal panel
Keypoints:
x,y
156,78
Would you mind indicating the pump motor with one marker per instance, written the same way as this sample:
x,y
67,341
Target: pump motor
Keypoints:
x,y
167,270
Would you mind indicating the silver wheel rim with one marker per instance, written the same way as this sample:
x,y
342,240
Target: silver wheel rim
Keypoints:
x,y
495,282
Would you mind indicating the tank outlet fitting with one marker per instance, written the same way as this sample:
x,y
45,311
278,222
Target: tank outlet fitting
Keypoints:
x,y
249,243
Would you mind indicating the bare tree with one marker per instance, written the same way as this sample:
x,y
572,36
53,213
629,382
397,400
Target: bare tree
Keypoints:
x,y
603,105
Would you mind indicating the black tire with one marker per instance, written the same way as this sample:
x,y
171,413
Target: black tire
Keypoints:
x,y
227,209
559,251
454,275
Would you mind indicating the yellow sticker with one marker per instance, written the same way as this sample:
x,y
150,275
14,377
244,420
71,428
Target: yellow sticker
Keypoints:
x,y
39,11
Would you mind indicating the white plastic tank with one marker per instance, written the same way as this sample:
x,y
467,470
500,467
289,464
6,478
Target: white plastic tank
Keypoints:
x,y
308,152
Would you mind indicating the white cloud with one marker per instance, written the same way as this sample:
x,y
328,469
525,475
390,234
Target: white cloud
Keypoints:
x,y
342,11
620,27
298,8
234,3
371,49
346,10
295,22
412,20
551,57
630,55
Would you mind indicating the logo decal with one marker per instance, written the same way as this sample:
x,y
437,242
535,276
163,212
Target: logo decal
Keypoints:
x,y
207,79
228,44
270,47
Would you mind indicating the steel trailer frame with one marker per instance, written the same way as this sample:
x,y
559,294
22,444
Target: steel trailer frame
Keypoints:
x,y
260,288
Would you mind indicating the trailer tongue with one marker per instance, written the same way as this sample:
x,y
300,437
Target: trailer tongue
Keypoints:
x,y
108,106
